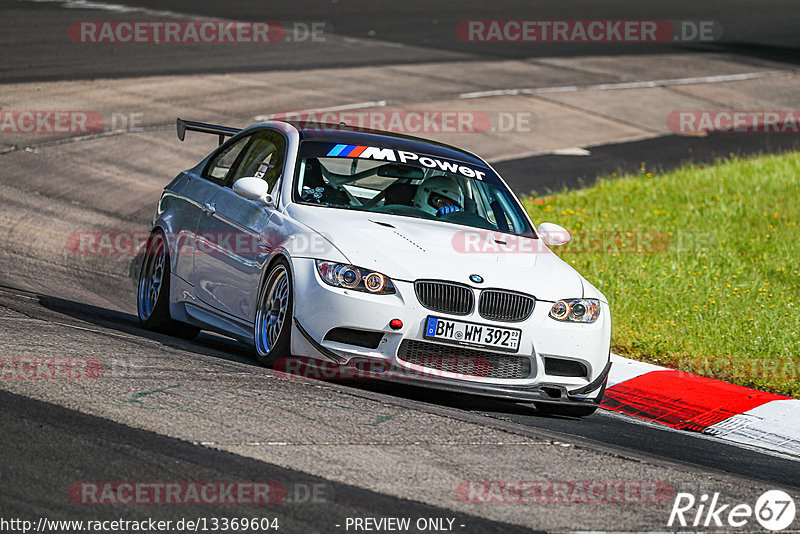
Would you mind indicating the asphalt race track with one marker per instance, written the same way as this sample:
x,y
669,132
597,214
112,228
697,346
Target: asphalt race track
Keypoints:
x,y
369,34
165,409
54,436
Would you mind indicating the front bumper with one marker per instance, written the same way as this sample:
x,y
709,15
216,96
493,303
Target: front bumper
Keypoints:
x,y
319,308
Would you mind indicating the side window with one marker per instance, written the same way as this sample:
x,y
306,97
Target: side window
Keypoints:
x,y
219,168
263,158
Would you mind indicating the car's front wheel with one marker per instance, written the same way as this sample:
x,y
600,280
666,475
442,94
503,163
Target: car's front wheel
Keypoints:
x,y
273,324
153,293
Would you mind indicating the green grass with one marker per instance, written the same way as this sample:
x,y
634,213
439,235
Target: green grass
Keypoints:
x,y
700,265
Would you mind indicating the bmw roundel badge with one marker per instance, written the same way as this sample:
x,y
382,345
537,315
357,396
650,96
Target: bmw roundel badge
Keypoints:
x,y
478,279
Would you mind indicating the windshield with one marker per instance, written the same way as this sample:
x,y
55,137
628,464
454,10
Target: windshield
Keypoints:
x,y
384,180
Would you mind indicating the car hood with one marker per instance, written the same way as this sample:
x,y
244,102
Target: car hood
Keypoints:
x,y
409,249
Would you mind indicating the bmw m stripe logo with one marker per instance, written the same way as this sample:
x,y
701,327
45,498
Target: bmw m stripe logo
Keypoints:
x,y
476,278
347,151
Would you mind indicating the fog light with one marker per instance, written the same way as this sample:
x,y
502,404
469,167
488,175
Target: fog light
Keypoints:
x,y
396,324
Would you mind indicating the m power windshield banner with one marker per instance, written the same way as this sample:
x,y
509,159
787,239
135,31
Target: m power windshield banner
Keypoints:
x,y
392,155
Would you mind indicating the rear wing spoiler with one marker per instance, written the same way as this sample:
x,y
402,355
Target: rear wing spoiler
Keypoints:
x,y
221,131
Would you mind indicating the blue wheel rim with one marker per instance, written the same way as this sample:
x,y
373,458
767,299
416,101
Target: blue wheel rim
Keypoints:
x,y
152,277
272,310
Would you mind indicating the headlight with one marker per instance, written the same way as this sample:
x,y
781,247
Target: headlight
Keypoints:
x,y
576,310
352,277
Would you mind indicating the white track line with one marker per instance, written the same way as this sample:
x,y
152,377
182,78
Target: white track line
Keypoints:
x,y
117,8
120,8
343,107
627,85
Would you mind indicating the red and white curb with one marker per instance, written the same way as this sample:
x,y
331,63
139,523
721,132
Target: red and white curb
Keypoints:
x,y
690,402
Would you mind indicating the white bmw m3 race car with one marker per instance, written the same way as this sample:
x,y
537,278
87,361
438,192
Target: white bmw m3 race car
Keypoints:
x,y
366,248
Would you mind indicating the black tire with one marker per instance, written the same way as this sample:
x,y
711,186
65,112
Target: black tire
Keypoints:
x,y
153,291
272,330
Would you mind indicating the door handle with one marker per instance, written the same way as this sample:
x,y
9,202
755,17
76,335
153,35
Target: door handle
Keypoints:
x,y
209,208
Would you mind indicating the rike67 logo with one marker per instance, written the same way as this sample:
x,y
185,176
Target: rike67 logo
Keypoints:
x,y
774,510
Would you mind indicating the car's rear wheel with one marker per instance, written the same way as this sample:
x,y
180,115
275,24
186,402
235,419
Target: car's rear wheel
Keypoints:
x,y
153,293
273,325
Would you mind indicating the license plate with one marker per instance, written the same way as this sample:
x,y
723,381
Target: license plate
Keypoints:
x,y
472,334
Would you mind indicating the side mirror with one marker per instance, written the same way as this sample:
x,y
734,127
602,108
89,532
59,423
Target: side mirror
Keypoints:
x,y
253,188
553,234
